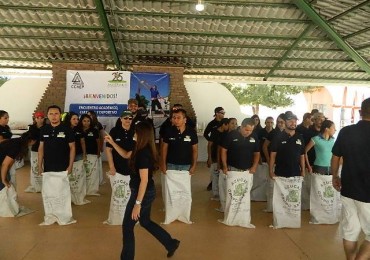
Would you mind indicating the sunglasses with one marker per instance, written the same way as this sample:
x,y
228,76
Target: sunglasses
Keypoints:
x,y
127,118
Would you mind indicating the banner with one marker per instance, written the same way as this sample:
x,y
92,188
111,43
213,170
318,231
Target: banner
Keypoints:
x,y
105,92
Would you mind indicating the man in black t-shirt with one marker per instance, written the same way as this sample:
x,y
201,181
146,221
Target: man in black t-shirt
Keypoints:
x,y
353,146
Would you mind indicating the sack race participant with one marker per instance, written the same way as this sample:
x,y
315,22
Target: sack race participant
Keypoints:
x,y
56,155
92,175
222,190
77,182
177,196
238,203
260,183
178,159
323,202
8,202
287,202
56,197
34,130
119,146
35,178
120,195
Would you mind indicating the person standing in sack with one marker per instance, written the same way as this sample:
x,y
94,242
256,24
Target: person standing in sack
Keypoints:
x,y
180,145
57,144
5,132
143,163
240,149
287,151
266,147
353,146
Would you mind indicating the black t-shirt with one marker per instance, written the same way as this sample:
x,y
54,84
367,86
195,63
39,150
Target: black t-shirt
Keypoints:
x,y
143,160
353,144
262,137
311,132
240,149
124,138
11,147
180,145
78,136
34,135
288,154
56,146
91,136
5,132
211,126
271,136
215,138
167,124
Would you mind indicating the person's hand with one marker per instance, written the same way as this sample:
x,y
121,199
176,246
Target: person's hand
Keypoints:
x,y
337,183
135,215
40,170
108,139
309,168
252,170
163,168
224,169
272,175
69,170
209,162
112,171
6,183
192,170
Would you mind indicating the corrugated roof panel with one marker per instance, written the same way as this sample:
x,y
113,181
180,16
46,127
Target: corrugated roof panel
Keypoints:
x,y
343,65
318,54
52,3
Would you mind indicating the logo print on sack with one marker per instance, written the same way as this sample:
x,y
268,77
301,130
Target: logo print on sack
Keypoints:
x,y
293,196
240,189
77,81
88,168
120,191
329,192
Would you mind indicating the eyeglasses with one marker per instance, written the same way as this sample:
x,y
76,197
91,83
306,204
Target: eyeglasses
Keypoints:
x,y
127,118
223,113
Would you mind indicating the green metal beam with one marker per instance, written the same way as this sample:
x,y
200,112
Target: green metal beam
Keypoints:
x,y
291,48
349,11
51,26
108,33
96,51
357,33
316,18
47,9
56,38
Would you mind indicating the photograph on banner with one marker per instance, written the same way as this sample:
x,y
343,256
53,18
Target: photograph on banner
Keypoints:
x,y
104,92
152,92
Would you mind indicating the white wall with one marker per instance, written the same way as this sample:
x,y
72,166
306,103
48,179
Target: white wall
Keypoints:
x,y
19,97
206,96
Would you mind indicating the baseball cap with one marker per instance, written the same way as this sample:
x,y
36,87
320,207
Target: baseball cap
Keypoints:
x,y
288,115
219,109
126,113
39,114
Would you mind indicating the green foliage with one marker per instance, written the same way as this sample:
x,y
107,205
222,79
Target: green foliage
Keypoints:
x,y
272,96
3,80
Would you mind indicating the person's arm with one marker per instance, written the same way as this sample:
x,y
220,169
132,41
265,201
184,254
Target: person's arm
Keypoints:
x,y
265,150
306,149
302,165
125,154
108,153
256,159
83,146
224,159
5,166
72,154
135,215
209,152
40,158
101,139
98,146
334,168
164,151
272,165
207,131
194,159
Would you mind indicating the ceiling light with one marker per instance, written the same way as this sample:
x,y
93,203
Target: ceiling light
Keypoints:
x,y
199,6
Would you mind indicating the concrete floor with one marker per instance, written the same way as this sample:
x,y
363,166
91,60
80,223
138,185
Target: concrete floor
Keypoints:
x,y
23,238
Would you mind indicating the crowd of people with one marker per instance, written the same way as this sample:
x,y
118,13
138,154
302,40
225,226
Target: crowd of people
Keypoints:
x,y
287,151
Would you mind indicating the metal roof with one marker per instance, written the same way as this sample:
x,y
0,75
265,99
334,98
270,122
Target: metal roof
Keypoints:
x,y
271,40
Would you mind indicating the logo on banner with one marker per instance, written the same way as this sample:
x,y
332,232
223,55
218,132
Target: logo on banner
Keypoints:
x,y
77,81
117,80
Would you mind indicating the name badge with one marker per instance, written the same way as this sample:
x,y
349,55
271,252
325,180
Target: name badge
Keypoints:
x,y
298,142
235,140
187,138
61,135
252,140
45,135
117,140
283,142
90,134
171,138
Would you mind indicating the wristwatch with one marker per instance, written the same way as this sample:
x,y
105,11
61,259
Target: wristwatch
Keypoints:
x,y
138,202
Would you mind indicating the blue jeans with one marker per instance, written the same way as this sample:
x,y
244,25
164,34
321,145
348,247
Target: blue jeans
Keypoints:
x,y
178,167
128,251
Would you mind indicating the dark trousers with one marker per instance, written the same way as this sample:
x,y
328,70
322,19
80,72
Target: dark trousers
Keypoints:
x,y
128,251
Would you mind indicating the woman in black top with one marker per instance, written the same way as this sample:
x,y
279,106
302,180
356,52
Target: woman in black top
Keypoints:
x,y
143,161
5,132
71,120
10,150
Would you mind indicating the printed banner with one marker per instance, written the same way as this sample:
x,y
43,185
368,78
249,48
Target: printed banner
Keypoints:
x,y
105,92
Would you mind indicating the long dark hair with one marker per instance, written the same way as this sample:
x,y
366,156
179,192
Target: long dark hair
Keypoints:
x,y
325,124
82,117
24,141
67,120
144,138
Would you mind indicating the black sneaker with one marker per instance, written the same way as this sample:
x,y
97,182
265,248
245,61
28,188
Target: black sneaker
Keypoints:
x,y
172,251
209,187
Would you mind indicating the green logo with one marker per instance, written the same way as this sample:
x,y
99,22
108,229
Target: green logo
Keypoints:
x,y
329,192
240,189
293,196
120,192
88,167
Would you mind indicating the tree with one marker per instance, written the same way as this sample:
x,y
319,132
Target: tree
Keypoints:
x,y
3,80
272,96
